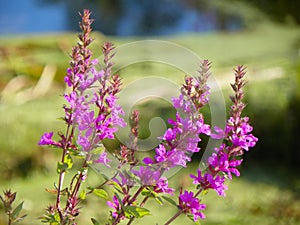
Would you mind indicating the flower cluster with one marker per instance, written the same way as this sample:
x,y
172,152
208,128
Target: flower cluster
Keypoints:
x,y
92,115
237,138
181,141
188,203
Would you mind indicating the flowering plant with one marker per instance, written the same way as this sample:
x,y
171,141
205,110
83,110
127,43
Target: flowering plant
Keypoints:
x,y
92,115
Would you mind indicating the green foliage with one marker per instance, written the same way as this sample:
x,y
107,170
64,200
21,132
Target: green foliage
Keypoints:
x,y
94,221
101,193
13,214
137,212
67,164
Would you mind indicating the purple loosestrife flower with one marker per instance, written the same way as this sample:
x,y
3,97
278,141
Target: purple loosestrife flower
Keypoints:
x,y
46,139
147,175
180,141
124,179
237,136
87,123
116,206
191,205
162,186
103,159
208,181
220,162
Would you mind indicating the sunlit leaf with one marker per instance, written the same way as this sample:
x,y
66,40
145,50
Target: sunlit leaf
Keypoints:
x,y
101,193
135,211
17,211
82,195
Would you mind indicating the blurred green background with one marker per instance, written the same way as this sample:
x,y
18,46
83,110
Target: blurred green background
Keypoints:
x,y
263,35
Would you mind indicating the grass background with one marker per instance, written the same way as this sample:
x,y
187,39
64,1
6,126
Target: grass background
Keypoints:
x,y
267,191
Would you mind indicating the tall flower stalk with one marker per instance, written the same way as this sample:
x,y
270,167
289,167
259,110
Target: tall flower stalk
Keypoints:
x,y
226,158
90,115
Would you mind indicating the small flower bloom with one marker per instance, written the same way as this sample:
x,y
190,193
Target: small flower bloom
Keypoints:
x,y
202,127
87,122
148,161
115,205
147,175
46,139
207,181
219,133
221,162
244,141
189,204
162,186
84,142
103,159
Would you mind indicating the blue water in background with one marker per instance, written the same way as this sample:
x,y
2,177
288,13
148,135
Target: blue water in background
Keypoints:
x,y
28,16
44,16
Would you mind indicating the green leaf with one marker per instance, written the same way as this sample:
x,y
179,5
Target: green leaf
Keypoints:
x,y
60,167
67,164
100,193
69,161
82,195
204,192
159,200
94,221
169,200
152,194
135,211
149,193
117,186
20,218
17,211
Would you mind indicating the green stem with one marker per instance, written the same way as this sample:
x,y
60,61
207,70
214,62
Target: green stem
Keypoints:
x,y
9,218
173,217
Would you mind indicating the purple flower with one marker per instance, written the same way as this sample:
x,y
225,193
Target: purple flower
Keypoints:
x,y
46,139
84,142
116,206
190,204
124,179
169,135
171,158
202,127
219,133
177,126
221,162
148,161
71,99
147,175
162,186
240,134
103,159
67,79
87,122
244,141
111,100
207,181
181,103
